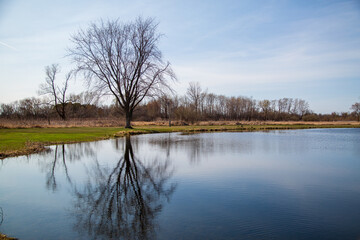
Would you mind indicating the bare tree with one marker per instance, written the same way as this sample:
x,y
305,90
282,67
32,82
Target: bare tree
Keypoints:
x,y
303,107
168,105
7,110
210,104
58,97
265,106
196,96
123,60
356,108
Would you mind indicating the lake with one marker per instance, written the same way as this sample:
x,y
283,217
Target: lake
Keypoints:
x,y
294,184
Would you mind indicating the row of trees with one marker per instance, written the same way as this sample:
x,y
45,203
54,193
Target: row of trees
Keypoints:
x,y
196,105
37,108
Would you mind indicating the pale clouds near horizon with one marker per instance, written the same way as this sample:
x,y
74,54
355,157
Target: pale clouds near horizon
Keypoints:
x,y
268,49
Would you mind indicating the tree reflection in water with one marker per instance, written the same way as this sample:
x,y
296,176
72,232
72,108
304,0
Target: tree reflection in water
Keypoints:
x,y
1,216
50,176
62,155
123,202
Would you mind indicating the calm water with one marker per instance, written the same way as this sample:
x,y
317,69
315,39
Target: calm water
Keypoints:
x,y
299,184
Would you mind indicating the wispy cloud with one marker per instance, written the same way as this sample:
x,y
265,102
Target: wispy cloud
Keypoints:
x,y
8,46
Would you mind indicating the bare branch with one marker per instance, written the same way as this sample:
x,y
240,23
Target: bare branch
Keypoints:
x,y
56,93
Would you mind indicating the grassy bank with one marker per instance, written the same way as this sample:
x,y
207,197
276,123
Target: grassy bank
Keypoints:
x,y
21,141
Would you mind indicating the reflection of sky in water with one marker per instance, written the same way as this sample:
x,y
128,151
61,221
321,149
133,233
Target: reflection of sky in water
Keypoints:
x,y
298,184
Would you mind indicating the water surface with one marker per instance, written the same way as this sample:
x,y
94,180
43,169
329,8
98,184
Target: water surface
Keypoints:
x,y
296,184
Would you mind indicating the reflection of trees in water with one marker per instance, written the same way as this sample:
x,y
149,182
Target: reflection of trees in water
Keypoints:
x,y
2,236
201,145
59,158
1,216
2,162
193,144
122,202
63,154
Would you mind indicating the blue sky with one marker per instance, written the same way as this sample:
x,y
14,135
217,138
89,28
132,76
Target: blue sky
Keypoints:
x,y
260,49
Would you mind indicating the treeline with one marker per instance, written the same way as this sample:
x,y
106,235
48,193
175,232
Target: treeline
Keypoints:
x,y
196,105
78,106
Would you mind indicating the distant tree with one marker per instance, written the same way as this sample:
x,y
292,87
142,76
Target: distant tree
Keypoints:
x,y
265,106
85,98
29,108
123,60
57,95
7,110
168,105
356,108
153,109
196,96
210,105
250,108
220,106
282,105
46,109
303,107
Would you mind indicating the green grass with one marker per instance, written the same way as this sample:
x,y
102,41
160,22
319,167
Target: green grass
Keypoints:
x,y
15,142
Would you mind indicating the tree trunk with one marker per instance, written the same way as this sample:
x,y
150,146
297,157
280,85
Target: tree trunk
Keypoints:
x,y
169,119
128,116
169,114
61,112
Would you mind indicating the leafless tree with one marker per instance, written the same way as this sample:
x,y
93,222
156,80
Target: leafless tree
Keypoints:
x,y
221,105
168,104
210,104
7,110
196,96
303,107
85,98
356,108
58,97
282,106
123,60
265,106
29,108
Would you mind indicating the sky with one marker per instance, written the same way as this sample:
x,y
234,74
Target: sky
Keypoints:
x,y
304,49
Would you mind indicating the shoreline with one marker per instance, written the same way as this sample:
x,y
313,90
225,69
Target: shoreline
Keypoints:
x,y
24,141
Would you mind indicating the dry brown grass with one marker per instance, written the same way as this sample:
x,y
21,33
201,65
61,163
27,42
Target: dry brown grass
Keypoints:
x,y
4,123
111,122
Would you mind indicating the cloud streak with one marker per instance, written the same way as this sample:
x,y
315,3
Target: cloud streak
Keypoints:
x,y
8,46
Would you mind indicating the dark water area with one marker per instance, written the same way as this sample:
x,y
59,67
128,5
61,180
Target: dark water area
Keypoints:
x,y
295,184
